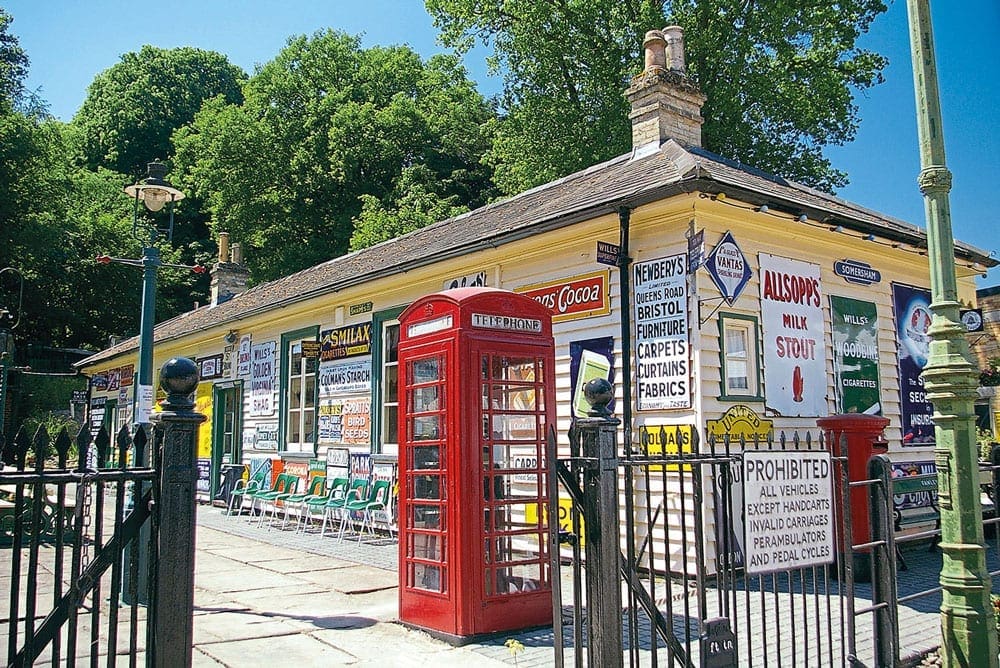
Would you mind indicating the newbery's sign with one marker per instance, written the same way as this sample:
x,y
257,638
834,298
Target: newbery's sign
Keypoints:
x,y
577,297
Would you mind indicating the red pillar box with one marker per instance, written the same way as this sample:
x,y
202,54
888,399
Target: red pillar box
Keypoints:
x,y
863,434
477,394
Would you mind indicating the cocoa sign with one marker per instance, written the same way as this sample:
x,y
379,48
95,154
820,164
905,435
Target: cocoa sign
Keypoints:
x,y
577,297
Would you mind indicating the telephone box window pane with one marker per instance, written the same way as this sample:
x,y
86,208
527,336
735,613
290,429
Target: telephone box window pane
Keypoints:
x,y
521,399
422,546
426,487
425,371
424,576
514,368
426,428
423,399
520,578
424,516
515,428
426,457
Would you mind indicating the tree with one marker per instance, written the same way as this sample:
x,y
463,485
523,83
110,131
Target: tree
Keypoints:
x,y
133,107
13,64
779,77
329,132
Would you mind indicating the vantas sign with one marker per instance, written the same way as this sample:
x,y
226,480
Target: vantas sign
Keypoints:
x,y
578,297
791,306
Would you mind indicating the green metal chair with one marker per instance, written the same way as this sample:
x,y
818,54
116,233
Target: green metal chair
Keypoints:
x,y
377,500
317,506
285,486
261,495
316,490
335,507
244,489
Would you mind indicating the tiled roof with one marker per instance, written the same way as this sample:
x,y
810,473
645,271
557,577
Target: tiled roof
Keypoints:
x,y
622,181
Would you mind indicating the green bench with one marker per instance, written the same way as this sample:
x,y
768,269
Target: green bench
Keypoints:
x,y
919,515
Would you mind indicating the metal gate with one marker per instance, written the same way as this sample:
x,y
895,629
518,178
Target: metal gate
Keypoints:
x,y
70,548
655,544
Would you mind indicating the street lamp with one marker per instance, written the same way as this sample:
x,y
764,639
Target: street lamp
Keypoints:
x,y
154,192
968,633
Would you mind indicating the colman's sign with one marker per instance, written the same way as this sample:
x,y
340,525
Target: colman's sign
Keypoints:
x,y
576,297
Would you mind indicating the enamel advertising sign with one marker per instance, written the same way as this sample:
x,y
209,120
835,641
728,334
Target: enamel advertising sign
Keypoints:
x,y
791,304
728,267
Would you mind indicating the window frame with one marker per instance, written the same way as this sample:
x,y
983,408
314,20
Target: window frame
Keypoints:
x,y
287,339
380,321
751,325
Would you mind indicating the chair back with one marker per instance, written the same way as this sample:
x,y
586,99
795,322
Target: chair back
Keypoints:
x,y
356,491
379,493
289,484
338,488
316,485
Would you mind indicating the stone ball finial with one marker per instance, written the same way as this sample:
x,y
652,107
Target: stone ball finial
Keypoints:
x,y
654,51
598,392
179,379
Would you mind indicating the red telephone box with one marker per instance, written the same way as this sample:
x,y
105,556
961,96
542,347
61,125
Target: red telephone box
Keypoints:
x,y
477,393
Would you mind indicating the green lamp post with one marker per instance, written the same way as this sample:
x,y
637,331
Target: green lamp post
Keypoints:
x,y
154,192
9,321
969,636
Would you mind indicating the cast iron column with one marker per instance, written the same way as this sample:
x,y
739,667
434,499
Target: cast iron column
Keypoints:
x,y
599,442
176,441
143,398
969,635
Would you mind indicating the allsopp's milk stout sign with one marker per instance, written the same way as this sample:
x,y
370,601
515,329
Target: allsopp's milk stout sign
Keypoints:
x,y
791,306
661,333
788,509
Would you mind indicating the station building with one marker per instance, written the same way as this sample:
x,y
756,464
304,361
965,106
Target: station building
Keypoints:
x,y
717,298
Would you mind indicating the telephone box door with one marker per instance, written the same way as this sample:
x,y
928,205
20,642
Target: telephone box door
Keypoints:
x,y
477,398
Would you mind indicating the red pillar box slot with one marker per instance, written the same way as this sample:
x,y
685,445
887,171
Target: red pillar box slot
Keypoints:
x,y
477,393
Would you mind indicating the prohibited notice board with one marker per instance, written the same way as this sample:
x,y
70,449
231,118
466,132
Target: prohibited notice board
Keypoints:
x,y
788,509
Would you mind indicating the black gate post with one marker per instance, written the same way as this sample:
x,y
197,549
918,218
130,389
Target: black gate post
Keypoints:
x,y
174,516
599,440
884,592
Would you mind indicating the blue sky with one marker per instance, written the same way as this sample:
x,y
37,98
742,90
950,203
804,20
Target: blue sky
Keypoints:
x,y
69,42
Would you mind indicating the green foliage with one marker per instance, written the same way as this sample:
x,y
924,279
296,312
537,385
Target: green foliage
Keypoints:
x,y
329,133
13,64
133,107
779,77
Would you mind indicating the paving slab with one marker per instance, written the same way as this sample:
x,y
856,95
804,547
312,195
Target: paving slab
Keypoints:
x,y
295,649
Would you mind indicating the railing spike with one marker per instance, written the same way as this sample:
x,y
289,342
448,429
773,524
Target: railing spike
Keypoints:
x,y
83,441
40,445
123,441
102,442
62,445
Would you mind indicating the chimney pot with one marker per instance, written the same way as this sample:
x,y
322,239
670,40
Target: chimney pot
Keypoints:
x,y
665,103
237,253
223,246
654,48
674,37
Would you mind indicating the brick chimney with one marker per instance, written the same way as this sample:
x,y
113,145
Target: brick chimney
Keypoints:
x,y
229,276
665,103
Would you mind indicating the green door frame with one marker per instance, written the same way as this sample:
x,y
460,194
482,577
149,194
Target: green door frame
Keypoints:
x,y
221,394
